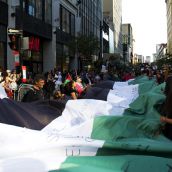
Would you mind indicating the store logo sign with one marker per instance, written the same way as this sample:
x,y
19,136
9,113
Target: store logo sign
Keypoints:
x,y
34,43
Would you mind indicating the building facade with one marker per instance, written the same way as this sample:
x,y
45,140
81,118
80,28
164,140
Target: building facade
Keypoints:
x,y
30,20
127,42
112,11
161,51
91,23
43,29
65,18
3,33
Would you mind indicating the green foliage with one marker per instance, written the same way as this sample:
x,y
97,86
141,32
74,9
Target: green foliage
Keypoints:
x,y
84,45
164,61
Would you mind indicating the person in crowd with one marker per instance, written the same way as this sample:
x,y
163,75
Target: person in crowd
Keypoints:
x,y
166,110
127,76
58,95
159,77
49,85
97,78
58,80
37,92
7,86
14,78
70,90
79,86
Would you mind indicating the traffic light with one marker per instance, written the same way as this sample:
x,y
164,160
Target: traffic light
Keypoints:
x,y
14,41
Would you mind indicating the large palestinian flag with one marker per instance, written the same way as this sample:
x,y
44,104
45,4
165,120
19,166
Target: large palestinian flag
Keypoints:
x,y
94,135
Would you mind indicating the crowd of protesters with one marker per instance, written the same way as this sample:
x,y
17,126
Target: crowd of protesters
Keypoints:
x,y
73,84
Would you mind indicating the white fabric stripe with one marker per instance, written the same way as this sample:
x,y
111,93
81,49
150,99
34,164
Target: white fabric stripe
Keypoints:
x,y
79,111
30,150
123,96
121,84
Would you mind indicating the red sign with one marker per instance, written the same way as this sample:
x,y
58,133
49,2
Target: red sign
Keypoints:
x,y
34,43
16,58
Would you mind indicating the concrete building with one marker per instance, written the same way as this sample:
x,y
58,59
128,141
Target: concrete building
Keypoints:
x,y
161,51
91,24
108,41
44,28
140,58
154,56
169,26
31,20
147,59
112,12
127,41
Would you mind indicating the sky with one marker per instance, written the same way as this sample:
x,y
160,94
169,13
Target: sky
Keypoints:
x,y
148,20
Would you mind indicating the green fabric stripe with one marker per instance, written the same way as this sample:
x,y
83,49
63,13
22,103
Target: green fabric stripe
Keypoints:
x,y
139,80
140,122
127,163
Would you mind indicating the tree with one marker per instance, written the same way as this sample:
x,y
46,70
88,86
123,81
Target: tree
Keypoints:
x,y
84,45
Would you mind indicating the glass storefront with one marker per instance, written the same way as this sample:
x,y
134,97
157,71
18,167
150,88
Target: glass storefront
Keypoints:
x,y
33,58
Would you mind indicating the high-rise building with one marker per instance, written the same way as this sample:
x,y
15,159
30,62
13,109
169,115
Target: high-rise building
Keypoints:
x,y
161,50
112,12
91,22
127,41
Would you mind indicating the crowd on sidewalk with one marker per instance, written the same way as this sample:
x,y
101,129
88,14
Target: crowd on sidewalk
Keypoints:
x,y
71,84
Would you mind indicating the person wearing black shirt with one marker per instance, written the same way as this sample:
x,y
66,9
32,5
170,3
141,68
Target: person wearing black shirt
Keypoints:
x,y
36,93
166,109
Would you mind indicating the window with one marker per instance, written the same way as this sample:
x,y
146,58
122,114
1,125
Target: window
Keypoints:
x,y
38,9
31,7
48,11
72,24
67,23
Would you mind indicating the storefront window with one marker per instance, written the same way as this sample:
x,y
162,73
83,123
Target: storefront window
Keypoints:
x,y
33,58
48,11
